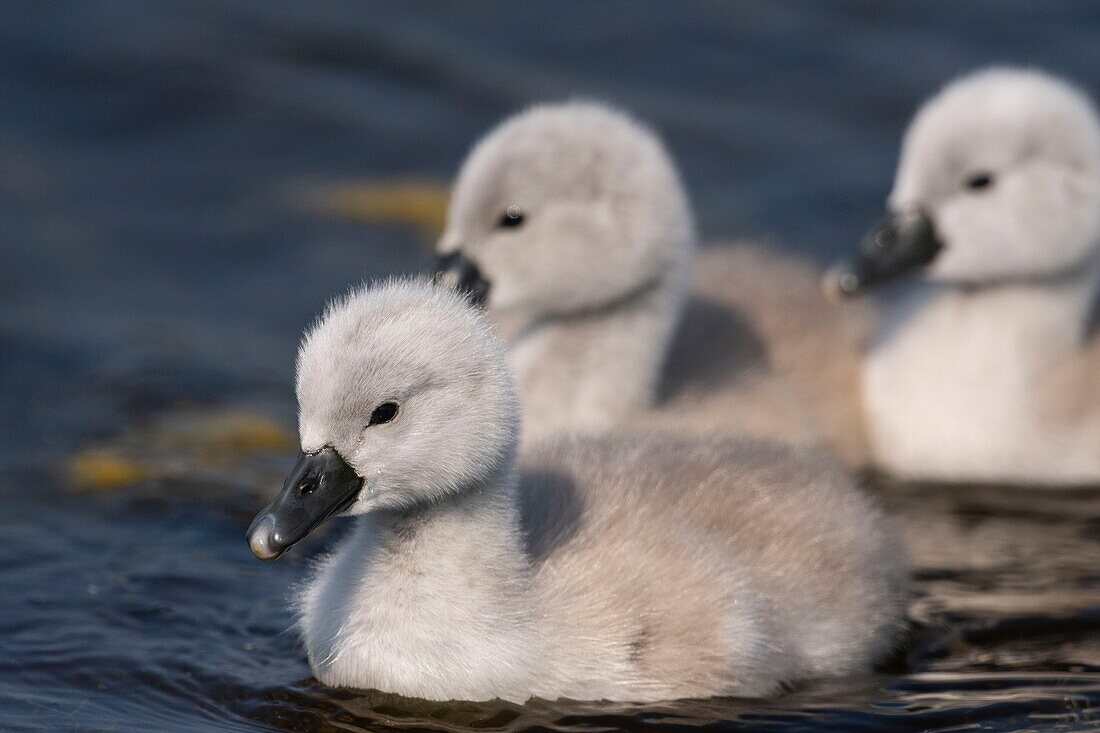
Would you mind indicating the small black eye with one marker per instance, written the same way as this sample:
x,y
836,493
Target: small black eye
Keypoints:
x,y
511,218
979,181
383,413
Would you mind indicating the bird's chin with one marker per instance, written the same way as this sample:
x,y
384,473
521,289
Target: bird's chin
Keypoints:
x,y
504,300
373,499
507,307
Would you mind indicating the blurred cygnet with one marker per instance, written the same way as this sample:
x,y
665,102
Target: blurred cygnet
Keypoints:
x,y
639,568
571,224
988,369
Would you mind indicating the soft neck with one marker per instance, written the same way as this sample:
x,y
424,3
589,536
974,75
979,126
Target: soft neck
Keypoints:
x,y
589,370
489,503
452,576
1057,309
953,380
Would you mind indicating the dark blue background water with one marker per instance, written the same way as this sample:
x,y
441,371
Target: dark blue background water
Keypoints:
x,y
156,259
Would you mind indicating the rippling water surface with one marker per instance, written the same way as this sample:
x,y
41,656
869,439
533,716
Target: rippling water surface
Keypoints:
x,y
183,184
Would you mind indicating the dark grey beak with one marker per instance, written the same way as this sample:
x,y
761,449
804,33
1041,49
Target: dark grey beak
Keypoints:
x,y
455,270
322,484
900,243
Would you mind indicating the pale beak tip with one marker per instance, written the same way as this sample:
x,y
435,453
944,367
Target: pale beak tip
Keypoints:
x,y
839,283
259,539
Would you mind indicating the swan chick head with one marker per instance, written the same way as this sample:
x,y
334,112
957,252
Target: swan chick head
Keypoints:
x,y
999,180
403,400
563,208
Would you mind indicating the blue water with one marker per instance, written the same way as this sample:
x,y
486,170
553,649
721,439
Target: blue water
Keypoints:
x,y
158,259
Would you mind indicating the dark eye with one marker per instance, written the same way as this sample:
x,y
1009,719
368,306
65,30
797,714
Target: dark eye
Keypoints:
x,y
978,181
511,218
383,413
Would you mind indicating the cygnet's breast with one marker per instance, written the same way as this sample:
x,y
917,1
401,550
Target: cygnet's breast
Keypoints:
x,y
945,389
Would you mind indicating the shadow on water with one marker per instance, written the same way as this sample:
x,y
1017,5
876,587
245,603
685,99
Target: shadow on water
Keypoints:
x,y
159,265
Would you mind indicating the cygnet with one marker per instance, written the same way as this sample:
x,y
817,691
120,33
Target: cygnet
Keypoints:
x,y
571,224
639,568
987,368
